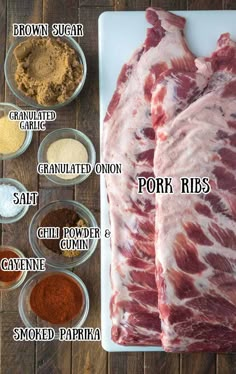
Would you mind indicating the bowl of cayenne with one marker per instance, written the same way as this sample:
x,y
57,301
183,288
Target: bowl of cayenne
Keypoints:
x,y
54,298
49,226
10,280
45,72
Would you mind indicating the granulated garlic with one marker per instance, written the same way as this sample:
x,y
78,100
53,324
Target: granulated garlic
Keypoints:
x,y
11,138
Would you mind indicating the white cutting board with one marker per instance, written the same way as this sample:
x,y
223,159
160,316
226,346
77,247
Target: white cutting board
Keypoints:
x,y
120,33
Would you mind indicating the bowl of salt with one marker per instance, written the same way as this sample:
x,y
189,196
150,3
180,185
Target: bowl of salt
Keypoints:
x,y
9,211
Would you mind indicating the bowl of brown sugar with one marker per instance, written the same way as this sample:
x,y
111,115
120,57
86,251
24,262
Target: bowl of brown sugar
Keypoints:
x,y
55,229
46,73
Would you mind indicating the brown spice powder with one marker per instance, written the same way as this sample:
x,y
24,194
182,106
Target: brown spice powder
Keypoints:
x,y
47,70
56,299
58,218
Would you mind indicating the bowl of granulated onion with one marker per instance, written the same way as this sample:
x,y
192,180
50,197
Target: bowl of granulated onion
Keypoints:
x,y
66,157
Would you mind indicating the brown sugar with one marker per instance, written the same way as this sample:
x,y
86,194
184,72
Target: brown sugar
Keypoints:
x,y
47,70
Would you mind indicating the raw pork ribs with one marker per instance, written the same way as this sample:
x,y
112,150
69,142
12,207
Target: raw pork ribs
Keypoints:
x,y
196,245
173,265
130,139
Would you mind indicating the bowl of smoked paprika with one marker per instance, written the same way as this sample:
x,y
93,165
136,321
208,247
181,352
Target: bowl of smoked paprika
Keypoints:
x,y
55,299
9,278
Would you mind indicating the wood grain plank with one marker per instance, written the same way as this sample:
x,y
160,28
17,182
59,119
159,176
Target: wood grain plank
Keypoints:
x,y
89,357
198,363
55,11
16,357
142,4
205,4
124,5
170,4
47,195
97,3
53,357
229,4
226,363
88,104
161,363
130,363
131,4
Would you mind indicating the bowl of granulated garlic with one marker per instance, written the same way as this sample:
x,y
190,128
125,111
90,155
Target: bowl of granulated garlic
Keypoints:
x,y
13,140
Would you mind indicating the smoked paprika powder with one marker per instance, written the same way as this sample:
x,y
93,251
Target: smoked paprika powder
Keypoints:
x,y
57,299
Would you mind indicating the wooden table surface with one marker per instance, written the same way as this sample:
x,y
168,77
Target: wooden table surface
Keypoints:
x,y
86,357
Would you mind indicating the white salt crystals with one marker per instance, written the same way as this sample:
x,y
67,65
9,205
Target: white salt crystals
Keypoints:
x,y
7,207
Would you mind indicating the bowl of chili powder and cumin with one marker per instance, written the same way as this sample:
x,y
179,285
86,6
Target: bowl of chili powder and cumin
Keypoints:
x,y
67,213
55,298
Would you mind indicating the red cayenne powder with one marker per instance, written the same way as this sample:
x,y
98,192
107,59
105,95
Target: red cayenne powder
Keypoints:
x,y
8,276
